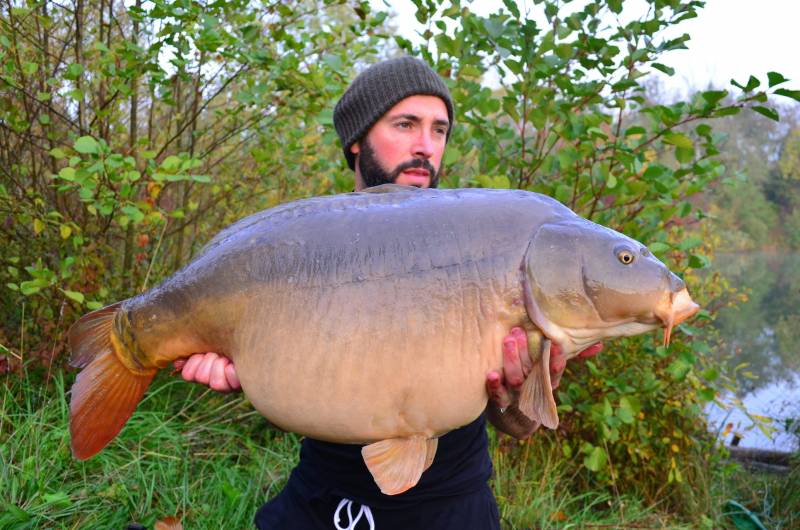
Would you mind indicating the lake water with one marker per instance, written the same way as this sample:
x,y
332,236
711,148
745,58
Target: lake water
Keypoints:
x,y
763,332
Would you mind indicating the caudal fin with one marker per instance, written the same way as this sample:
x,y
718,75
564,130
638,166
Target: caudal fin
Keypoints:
x,y
106,391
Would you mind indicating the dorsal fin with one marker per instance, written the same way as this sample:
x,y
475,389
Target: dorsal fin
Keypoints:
x,y
389,188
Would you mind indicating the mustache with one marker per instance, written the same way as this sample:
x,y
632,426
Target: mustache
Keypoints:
x,y
416,163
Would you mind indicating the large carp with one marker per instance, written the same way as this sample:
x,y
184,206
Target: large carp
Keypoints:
x,y
373,318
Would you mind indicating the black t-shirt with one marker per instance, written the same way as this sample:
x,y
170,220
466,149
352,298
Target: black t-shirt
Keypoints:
x,y
461,466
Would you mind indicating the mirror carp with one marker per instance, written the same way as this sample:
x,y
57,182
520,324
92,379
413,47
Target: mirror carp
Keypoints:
x,y
373,317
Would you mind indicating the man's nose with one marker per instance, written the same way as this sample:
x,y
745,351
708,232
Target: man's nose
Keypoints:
x,y
423,145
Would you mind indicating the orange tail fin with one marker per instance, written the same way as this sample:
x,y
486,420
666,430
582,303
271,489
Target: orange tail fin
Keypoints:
x,y
106,391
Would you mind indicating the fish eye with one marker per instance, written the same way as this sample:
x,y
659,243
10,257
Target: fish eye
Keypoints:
x,y
625,256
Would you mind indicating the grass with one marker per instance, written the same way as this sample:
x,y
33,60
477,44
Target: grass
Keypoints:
x,y
210,460
207,458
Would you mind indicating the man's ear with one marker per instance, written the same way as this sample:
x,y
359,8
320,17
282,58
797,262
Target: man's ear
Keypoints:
x,y
355,148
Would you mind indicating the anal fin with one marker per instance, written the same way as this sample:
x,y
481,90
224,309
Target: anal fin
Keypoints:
x,y
536,399
397,464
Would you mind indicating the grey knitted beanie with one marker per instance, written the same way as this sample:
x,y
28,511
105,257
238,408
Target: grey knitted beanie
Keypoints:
x,y
377,89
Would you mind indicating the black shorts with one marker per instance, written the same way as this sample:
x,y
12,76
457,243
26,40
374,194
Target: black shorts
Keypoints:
x,y
291,510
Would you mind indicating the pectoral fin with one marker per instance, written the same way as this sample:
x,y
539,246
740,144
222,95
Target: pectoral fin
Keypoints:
x,y
397,464
536,400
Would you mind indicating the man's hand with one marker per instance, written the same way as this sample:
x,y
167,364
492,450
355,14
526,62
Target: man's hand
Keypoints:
x,y
504,388
210,369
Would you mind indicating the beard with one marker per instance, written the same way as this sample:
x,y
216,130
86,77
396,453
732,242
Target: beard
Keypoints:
x,y
373,174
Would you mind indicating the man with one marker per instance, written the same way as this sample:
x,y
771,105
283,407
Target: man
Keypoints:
x,y
394,122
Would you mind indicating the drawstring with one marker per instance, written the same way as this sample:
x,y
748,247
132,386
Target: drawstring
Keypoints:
x,y
351,523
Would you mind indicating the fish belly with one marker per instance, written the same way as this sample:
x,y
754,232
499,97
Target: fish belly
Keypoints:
x,y
335,365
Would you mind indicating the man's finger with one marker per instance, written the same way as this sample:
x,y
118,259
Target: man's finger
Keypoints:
x,y
203,374
521,338
232,377
512,366
190,367
217,380
498,393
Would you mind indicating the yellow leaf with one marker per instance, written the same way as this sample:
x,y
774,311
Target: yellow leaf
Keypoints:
x,y
728,429
66,231
38,226
675,448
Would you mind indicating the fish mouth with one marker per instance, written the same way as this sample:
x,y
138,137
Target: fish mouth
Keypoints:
x,y
677,309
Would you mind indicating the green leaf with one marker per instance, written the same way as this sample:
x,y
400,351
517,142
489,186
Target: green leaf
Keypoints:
x,y
171,164
752,84
30,287
768,112
494,181
664,68
93,305
67,173
595,460
690,242
703,129
684,155
775,78
678,369
86,145
727,111
511,5
57,153
658,247
636,130
678,140
607,410
625,411
707,393
785,92
713,97
73,71
73,295
451,155
698,261
134,213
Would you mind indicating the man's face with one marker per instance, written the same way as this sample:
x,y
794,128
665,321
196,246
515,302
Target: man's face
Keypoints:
x,y
405,146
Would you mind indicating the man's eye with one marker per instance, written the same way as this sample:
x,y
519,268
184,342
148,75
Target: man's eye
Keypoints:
x,y
441,131
404,124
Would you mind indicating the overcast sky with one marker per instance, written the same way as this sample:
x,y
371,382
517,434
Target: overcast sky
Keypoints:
x,y
730,39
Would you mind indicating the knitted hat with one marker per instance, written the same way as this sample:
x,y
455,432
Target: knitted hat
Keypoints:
x,y
376,90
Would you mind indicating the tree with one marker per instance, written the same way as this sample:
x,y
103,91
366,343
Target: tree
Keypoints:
x,y
130,134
